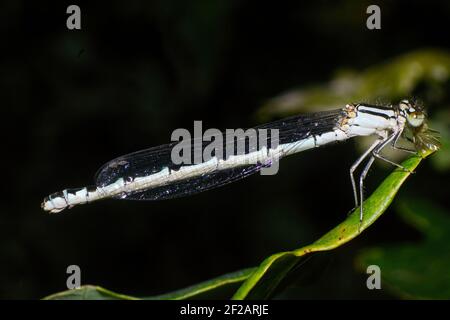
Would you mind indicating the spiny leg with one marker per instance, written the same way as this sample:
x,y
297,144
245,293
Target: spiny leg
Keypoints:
x,y
379,156
377,145
357,163
376,152
375,149
361,187
404,149
394,145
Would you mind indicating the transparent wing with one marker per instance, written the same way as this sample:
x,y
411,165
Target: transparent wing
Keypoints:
x,y
153,160
194,185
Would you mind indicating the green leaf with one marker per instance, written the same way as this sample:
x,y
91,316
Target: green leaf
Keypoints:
x,y
221,287
266,278
89,292
416,270
261,282
218,288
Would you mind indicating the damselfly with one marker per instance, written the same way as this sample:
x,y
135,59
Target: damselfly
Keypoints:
x,y
151,175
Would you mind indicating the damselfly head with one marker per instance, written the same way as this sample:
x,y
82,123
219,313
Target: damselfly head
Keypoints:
x,y
423,137
413,112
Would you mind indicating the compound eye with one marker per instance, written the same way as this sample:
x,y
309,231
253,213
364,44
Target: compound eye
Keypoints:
x,y
415,119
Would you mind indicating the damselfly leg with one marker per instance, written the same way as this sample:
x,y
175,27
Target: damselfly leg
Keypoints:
x,y
361,186
396,147
374,150
356,165
389,139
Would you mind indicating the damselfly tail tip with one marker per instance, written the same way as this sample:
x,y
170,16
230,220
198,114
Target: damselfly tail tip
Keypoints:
x,y
49,205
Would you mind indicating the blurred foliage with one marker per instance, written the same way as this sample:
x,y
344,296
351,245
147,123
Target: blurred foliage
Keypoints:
x,y
389,81
441,161
424,72
417,270
263,281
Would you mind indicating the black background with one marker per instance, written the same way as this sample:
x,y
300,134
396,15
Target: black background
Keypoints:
x,y
72,100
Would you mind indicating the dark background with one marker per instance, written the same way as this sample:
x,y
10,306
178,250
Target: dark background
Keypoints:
x,y
72,100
